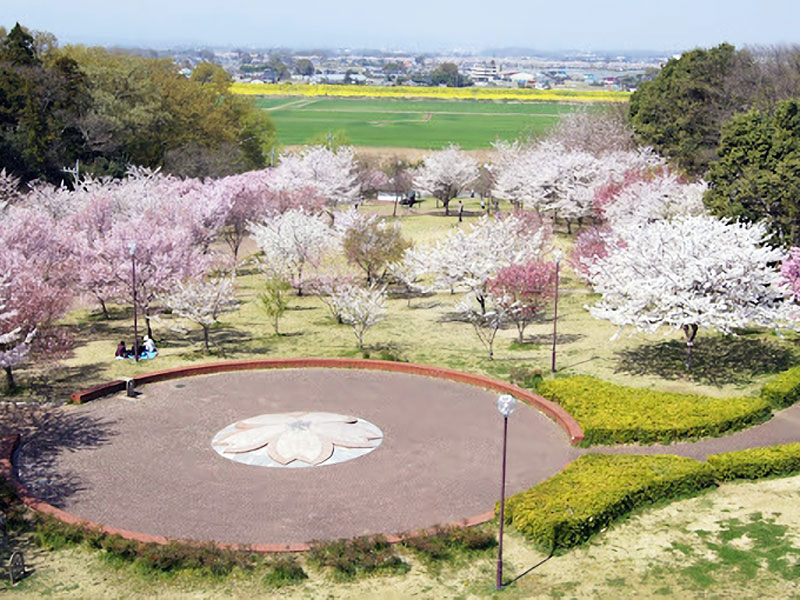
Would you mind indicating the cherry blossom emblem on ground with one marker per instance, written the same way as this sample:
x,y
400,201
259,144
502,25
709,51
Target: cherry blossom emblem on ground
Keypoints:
x,y
297,439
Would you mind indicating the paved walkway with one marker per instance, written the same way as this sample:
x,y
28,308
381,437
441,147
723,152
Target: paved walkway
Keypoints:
x,y
783,428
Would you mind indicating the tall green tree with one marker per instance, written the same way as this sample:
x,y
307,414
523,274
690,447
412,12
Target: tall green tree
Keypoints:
x,y
680,112
42,99
757,176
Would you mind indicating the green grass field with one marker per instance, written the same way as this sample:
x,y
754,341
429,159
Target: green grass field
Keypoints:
x,y
425,124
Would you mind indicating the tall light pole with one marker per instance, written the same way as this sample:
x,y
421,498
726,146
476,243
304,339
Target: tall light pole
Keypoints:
x,y
506,405
132,249
557,256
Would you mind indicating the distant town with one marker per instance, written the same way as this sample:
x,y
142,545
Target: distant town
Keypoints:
x,y
504,68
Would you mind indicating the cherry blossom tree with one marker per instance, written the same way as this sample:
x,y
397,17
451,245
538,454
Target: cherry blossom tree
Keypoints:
x,y
591,245
445,174
650,196
471,258
290,242
410,269
9,189
38,269
14,345
687,273
790,271
551,178
523,291
361,308
322,172
202,301
328,288
486,322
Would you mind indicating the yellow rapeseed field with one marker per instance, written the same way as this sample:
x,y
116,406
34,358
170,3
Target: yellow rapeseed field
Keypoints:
x,y
442,93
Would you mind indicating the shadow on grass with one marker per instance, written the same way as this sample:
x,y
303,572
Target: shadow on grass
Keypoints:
x,y
547,339
53,432
716,361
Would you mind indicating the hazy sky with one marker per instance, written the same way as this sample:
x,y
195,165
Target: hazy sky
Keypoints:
x,y
414,24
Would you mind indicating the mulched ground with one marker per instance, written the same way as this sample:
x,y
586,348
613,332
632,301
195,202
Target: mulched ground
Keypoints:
x,y
147,464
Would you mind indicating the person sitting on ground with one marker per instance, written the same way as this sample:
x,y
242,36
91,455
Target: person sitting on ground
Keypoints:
x,y
122,351
149,346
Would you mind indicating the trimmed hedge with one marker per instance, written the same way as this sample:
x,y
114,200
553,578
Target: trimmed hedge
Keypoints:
x,y
756,462
615,414
596,490
783,390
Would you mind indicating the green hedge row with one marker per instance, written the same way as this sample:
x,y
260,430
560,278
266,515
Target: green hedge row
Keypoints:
x,y
596,490
615,414
783,390
756,462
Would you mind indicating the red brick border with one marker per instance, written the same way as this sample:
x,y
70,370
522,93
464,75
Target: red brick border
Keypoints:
x,y
8,445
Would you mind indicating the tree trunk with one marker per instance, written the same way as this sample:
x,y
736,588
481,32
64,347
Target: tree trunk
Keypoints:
x,y
446,208
205,338
482,301
521,329
275,324
104,307
149,328
394,211
690,331
10,379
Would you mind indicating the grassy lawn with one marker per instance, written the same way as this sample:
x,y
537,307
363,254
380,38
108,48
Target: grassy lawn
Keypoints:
x,y
425,124
737,541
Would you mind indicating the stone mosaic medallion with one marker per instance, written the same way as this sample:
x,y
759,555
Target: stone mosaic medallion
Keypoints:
x,y
297,439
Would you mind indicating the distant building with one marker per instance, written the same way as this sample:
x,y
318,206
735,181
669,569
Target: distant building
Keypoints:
x,y
483,72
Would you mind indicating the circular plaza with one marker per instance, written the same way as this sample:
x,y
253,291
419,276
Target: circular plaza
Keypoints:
x,y
419,451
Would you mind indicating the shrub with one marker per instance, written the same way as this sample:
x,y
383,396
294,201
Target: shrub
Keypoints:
x,y
756,462
783,390
54,534
361,555
615,414
447,543
596,490
283,571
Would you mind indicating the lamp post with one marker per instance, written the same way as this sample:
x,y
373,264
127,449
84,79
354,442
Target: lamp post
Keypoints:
x,y
132,249
506,405
557,256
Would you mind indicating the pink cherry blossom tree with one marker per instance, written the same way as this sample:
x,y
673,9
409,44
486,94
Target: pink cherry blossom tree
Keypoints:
x,y
38,271
790,271
523,291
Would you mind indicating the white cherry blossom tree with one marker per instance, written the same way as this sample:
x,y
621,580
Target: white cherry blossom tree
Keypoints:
x,y
471,258
202,301
290,242
688,273
361,308
321,172
445,174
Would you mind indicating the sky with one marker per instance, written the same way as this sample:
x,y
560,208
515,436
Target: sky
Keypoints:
x,y
416,25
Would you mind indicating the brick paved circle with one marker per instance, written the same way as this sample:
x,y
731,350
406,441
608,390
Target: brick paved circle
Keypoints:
x,y
147,465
